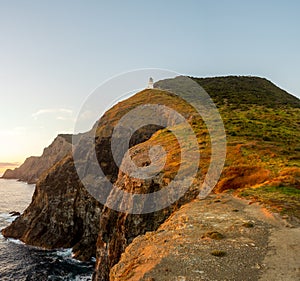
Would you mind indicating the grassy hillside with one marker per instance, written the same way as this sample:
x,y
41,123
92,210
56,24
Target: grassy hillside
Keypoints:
x,y
262,125
246,90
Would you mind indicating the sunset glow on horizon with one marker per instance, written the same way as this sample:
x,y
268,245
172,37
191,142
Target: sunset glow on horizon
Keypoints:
x,y
4,166
54,54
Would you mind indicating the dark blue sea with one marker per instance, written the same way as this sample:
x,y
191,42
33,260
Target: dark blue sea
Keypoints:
x,y
22,262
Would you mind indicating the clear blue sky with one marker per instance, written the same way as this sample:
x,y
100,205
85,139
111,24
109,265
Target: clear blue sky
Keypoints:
x,y
54,53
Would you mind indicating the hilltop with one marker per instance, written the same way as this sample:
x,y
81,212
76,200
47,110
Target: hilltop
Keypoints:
x,y
262,124
238,90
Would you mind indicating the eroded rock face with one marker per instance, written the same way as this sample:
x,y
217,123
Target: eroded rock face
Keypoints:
x,y
34,167
62,214
118,229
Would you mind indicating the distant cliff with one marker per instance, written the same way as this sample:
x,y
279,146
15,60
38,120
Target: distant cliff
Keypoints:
x,y
35,166
262,140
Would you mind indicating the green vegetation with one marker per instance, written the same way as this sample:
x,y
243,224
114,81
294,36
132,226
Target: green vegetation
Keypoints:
x,y
285,199
242,91
262,121
262,124
259,122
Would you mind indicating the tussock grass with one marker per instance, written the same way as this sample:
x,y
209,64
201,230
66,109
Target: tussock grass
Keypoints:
x,y
218,253
214,235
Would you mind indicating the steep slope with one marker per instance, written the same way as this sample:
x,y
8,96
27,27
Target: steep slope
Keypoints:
x,y
262,124
62,213
34,166
257,154
118,229
262,142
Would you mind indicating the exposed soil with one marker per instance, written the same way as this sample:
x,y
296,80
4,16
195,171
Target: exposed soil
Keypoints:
x,y
218,238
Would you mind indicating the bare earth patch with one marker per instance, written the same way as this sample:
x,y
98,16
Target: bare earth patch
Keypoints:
x,y
218,238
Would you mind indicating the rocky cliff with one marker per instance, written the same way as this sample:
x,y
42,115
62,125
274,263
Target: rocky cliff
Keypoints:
x,y
118,229
64,214
34,166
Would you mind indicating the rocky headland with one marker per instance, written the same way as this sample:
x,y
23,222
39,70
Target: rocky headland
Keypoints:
x,y
258,165
35,166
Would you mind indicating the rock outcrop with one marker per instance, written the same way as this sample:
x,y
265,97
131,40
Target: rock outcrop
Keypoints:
x,y
35,166
218,238
64,214
118,229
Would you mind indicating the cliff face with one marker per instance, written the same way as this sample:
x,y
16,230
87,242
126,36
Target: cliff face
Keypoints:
x,y
117,229
34,167
63,213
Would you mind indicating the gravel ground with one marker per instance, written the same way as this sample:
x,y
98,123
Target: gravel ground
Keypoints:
x,y
218,238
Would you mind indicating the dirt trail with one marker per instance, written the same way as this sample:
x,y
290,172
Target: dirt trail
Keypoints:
x,y
249,243
283,258
282,261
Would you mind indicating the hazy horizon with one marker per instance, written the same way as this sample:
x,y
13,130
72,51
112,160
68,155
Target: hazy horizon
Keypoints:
x,y
54,54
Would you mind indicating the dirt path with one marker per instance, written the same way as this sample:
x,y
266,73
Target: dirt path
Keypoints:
x,y
283,258
218,238
282,261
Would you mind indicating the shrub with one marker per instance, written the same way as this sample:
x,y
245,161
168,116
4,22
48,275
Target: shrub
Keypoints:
x,y
218,253
213,235
266,138
235,177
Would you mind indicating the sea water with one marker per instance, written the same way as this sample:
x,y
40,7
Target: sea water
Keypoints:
x,y
22,262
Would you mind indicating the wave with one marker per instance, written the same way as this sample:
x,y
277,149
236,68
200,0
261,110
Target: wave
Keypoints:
x,y
82,278
68,278
65,253
7,217
15,241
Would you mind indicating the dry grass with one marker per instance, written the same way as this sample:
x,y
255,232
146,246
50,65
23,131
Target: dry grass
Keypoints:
x,y
218,253
248,224
262,142
213,235
242,176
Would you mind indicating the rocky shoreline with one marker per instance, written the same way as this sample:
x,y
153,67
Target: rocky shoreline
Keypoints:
x,y
147,246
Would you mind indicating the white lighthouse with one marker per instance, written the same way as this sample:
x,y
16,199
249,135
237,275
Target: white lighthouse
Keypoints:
x,y
150,83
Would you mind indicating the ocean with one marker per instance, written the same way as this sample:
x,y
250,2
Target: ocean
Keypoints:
x,y
20,262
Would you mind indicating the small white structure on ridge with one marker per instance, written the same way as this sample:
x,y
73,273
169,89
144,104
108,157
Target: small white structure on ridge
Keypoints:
x,y
150,83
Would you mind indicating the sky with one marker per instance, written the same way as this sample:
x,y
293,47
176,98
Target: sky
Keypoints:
x,y
53,54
